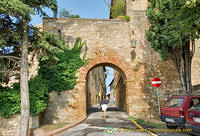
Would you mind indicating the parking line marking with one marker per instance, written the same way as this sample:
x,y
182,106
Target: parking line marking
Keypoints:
x,y
143,128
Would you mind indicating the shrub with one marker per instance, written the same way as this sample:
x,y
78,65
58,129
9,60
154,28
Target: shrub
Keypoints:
x,y
74,16
127,18
9,102
39,95
10,98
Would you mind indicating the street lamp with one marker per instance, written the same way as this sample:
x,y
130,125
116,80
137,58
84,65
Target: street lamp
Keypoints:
x,y
133,43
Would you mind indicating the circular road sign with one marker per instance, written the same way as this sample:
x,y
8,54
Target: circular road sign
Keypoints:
x,y
156,82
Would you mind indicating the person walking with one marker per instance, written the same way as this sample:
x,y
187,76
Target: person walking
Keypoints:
x,y
103,105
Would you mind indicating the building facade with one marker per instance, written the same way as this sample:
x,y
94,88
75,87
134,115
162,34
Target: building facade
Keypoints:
x,y
96,86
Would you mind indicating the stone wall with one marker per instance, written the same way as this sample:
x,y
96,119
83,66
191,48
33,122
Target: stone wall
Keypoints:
x,y
120,91
196,65
95,85
61,108
11,126
100,34
66,107
112,92
109,44
107,39
196,69
144,56
136,5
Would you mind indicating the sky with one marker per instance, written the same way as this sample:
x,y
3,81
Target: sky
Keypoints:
x,y
109,78
84,8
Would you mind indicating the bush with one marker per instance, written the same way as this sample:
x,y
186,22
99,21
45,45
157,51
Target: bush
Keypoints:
x,y
127,18
9,102
39,95
58,68
118,9
74,16
10,98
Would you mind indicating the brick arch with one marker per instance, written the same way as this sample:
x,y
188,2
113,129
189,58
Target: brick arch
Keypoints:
x,y
112,61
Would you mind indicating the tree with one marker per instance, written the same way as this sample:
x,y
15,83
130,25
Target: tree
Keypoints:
x,y
64,13
67,14
187,13
11,34
16,19
163,36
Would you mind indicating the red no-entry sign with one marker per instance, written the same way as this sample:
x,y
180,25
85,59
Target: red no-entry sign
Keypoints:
x,y
156,82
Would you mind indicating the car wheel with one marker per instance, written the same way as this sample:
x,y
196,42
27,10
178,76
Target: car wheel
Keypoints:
x,y
171,126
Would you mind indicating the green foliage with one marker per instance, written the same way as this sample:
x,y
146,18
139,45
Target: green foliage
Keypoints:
x,y
118,8
74,16
67,13
11,22
9,102
12,13
58,67
187,14
10,98
39,95
64,13
127,18
20,8
169,40
162,34
143,122
59,64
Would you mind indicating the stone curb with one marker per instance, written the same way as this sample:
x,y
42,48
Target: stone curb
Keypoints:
x,y
39,132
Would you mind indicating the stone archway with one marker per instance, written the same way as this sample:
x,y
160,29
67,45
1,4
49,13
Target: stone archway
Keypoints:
x,y
117,63
108,42
113,61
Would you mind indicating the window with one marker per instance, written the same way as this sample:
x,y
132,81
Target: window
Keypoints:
x,y
196,103
174,102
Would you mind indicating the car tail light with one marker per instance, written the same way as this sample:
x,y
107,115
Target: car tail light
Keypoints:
x,y
187,118
181,114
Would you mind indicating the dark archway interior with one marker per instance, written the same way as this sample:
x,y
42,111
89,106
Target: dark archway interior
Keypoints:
x,y
105,79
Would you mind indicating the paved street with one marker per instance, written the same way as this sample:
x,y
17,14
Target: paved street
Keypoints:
x,y
95,125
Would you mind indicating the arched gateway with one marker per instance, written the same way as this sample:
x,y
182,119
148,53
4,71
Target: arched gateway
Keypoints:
x,y
132,94
122,45
112,61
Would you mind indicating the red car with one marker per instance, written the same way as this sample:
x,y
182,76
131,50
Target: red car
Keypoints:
x,y
193,118
174,110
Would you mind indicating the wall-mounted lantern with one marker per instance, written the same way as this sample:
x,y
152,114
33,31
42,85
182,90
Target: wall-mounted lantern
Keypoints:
x,y
133,43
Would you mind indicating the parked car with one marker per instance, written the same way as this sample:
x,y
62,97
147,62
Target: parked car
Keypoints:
x,y
193,118
174,110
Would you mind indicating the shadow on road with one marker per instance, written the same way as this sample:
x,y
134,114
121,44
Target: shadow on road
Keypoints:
x,y
91,110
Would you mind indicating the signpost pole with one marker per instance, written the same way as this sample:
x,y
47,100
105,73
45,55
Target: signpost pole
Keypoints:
x,y
156,82
158,100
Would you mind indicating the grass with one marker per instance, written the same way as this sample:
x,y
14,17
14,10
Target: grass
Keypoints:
x,y
50,127
140,121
